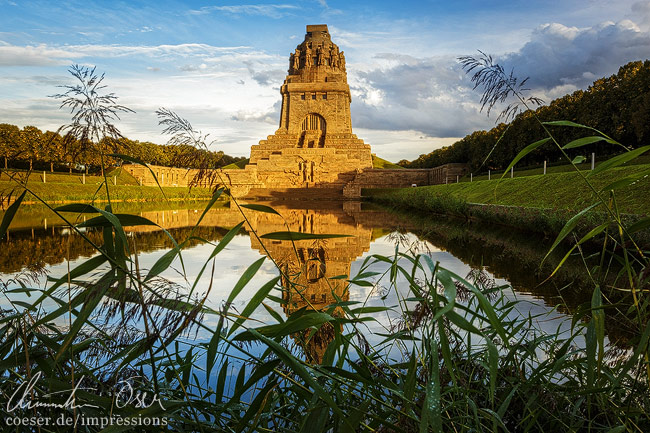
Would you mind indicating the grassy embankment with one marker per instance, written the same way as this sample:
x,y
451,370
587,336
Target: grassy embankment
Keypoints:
x,y
542,203
64,187
550,169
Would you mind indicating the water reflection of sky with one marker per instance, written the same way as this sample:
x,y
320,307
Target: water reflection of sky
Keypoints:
x,y
344,256
241,253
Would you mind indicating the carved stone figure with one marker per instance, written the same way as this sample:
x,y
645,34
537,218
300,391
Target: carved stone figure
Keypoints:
x,y
334,58
308,59
342,61
320,61
295,60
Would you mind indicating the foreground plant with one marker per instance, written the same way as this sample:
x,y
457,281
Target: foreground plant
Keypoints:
x,y
458,356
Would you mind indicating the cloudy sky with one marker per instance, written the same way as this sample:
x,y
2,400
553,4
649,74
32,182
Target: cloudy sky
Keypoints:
x,y
220,64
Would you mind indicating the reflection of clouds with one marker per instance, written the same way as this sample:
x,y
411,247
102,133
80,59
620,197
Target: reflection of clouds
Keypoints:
x,y
231,262
548,322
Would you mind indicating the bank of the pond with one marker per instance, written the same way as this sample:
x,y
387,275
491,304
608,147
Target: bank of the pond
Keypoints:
x,y
65,192
539,203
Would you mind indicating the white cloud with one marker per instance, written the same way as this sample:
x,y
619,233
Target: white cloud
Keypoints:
x,y
44,55
271,11
558,55
435,97
40,55
427,95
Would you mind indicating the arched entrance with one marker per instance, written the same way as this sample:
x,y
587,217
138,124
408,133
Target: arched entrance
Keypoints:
x,y
313,131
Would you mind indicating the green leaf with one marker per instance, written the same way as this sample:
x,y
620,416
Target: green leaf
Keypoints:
x,y
626,181
244,279
296,236
586,140
450,292
255,302
220,246
566,123
525,151
163,263
368,310
642,224
568,228
578,159
618,160
431,408
298,321
291,362
260,208
77,208
9,215
598,317
92,296
462,323
592,233
126,220
493,363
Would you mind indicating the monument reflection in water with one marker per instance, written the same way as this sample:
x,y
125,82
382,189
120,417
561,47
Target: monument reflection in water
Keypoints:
x,y
307,266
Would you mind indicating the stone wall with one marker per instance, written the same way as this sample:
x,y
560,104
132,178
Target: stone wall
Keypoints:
x,y
313,179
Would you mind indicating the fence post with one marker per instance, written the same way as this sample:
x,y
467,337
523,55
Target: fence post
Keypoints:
x,y
489,174
44,180
83,175
140,181
545,167
456,178
593,160
115,180
512,172
471,177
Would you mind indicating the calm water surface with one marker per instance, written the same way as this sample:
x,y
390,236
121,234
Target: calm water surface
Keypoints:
x,y
39,238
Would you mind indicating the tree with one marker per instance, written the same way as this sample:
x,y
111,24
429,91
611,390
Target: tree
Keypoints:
x,y
31,144
9,141
53,149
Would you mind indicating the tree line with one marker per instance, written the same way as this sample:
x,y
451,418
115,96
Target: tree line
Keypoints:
x,y
618,105
32,148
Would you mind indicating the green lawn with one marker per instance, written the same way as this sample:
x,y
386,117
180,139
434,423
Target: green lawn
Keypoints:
x,y
60,187
63,192
378,162
563,168
237,165
566,190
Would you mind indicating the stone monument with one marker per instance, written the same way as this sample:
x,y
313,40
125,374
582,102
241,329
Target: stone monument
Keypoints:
x,y
314,146
313,154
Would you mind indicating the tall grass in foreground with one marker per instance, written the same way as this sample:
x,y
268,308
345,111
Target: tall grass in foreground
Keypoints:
x,y
456,358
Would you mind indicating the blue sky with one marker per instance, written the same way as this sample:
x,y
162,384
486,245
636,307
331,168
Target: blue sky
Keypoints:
x,y
220,64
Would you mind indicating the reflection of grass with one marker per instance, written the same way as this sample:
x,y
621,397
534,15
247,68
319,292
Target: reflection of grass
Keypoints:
x,y
559,191
35,215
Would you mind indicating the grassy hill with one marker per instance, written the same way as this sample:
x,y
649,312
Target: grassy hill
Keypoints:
x,y
237,165
378,162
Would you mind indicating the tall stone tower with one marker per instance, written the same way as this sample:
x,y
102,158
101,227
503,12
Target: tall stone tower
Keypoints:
x,y
314,146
